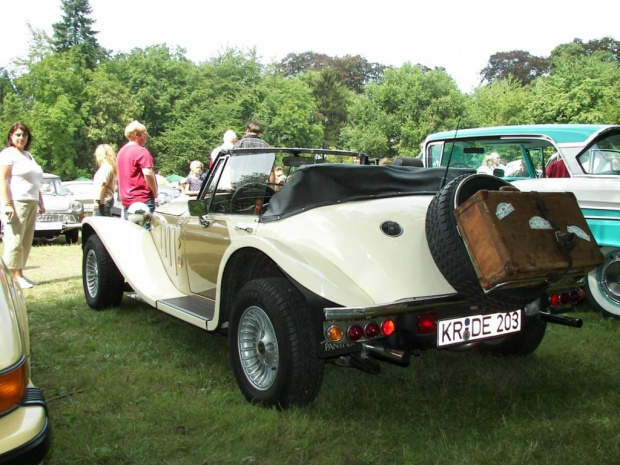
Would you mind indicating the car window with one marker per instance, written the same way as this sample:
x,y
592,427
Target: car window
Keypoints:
x,y
500,156
602,157
241,183
52,186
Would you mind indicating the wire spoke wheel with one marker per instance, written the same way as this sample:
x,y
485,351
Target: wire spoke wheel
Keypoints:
x,y
258,348
91,273
101,279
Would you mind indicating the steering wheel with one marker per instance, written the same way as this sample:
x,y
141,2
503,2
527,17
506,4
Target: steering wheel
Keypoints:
x,y
245,196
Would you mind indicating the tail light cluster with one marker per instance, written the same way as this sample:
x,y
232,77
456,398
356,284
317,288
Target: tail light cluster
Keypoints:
x,y
564,298
339,332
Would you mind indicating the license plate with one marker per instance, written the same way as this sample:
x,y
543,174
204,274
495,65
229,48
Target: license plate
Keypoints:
x,y
48,225
477,327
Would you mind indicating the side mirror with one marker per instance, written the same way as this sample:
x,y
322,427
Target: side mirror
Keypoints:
x,y
498,172
197,207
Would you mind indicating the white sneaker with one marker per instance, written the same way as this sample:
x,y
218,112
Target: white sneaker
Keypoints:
x,y
34,283
24,283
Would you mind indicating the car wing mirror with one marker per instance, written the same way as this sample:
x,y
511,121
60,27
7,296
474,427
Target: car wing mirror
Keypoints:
x,y
197,207
498,172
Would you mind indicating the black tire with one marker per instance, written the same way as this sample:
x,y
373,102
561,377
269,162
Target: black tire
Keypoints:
x,y
603,284
522,343
273,345
103,282
449,251
72,236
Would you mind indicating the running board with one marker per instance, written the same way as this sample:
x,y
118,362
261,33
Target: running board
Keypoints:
x,y
191,309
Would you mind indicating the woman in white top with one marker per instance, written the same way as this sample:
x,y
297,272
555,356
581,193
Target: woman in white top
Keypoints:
x,y
20,181
104,180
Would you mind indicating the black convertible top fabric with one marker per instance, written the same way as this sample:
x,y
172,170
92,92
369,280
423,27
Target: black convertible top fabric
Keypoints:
x,y
318,185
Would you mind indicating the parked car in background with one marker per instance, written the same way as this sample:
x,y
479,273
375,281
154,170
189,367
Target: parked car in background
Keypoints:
x,y
591,155
166,195
24,423
332,262
84,191
63,212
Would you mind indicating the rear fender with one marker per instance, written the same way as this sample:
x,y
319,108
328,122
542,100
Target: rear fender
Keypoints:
x,y
314,271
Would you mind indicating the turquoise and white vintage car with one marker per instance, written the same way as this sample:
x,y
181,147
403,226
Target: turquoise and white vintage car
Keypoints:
x,y
303,257
591,155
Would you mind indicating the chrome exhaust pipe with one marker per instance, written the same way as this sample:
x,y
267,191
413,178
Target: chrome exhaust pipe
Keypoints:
x,y
396,356
561,320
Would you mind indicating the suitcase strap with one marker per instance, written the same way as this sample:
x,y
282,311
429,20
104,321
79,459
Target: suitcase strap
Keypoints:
x,y
566,240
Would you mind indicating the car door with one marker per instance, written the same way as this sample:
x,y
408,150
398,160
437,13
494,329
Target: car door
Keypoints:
x,y
206,238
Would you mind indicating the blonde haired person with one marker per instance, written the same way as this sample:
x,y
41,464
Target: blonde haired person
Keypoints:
x,y
20,181
195,178
104,180
489,163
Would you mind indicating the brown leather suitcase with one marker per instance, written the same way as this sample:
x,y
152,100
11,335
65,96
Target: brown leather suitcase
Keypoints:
x,y
514,237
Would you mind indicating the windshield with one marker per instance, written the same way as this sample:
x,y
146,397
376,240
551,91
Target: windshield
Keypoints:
x,y
602,157
52,186
241,183
500,156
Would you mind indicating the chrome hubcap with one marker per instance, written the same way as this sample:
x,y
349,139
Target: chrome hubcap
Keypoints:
x,y
258,348
92,273
609,277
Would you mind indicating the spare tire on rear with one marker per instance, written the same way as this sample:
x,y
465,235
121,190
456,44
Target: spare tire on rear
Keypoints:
x,y
450,254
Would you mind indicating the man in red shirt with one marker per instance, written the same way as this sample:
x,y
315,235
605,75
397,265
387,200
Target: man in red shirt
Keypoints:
x,y
557,169
136,171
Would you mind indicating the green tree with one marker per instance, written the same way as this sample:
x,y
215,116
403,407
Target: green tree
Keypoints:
x,y
107,108
332,100
51,94
581,89
75,31
579,47
157,78
288,113
500,103
221,94
395,115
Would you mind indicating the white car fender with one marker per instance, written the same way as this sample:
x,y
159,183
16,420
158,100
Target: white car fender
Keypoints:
x,y
134,252
304,265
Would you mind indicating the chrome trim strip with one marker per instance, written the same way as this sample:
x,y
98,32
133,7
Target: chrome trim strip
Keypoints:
x,y
395,308
604,218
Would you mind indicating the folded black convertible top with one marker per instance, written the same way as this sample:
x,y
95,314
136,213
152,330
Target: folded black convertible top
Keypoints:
x,y
319,185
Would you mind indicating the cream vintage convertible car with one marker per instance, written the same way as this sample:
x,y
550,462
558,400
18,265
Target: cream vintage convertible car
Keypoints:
x,y
303,257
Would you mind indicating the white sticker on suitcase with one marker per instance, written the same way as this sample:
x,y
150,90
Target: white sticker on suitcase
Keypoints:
x,y
503,210
536,222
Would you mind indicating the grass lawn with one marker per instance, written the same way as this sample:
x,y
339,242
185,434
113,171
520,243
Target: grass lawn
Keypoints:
x,y
132,385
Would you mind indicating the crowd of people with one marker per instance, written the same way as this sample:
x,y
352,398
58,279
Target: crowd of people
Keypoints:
x,y
130,172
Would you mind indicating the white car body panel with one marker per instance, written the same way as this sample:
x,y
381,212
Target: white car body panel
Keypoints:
x,y
346,277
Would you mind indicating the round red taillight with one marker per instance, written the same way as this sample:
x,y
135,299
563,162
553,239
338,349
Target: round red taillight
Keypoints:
x,y
372,330
388,327
355,332
565,298
575,296
554,300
